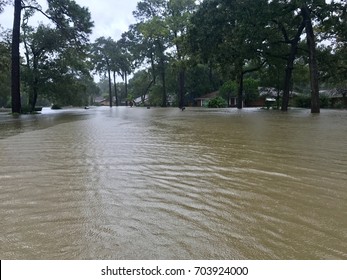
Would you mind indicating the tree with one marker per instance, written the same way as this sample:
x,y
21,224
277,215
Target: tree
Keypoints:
x,y
50,57
126,61
74,21
102,52
231,34
334,57
291,19
307,14
15,66
155,34
39,44
178,17
287,26
110,57
5,65
141,84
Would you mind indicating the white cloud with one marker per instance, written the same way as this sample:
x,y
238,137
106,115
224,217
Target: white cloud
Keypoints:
x,y
111,18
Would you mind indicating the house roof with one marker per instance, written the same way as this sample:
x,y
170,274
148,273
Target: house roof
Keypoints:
x,y
337,93
98,99
272,92
268,91
139,99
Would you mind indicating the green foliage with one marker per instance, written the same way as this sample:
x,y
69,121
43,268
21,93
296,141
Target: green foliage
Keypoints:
x,y
217,102
54,69
251,91
339,105
155,95
5,65
324,102
229,88
63,48
72,19
304,101
213,43
231,34
200,79
140,84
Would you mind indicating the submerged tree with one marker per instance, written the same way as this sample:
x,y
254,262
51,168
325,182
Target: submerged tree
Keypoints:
x,y
177,19
50,57
5,66
231,34
15,68
102,59
154,33
73,21
109,57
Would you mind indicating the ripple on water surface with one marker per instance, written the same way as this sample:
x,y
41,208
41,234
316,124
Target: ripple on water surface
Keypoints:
x,y
132,183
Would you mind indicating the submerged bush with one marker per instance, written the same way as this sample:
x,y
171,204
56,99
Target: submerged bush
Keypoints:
x,y
217,102
55,107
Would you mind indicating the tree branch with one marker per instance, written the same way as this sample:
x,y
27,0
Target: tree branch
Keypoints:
x,y
254,68
38,10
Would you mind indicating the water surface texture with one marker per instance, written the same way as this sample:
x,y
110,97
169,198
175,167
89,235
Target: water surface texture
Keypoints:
x,y
132,183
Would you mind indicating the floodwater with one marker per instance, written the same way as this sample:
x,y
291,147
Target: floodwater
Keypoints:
x,y
133,183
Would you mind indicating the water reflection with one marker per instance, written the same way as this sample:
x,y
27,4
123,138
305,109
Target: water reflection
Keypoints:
x,y
132,183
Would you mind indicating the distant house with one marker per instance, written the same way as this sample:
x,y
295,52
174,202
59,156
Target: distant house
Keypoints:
x,y
270,94
266,95
202,101
101,101
336,96
105,102
141,100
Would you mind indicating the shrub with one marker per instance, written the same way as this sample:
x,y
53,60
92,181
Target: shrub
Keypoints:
x,y
324,102
55,107
217,102
303,101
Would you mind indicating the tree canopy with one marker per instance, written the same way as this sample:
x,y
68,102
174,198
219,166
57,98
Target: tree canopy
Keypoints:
x,y
182,49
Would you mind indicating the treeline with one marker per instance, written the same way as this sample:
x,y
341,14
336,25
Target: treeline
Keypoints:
x,y
179,50
54,65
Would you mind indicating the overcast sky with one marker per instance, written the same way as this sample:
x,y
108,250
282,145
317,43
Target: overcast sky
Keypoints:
x,y
111,17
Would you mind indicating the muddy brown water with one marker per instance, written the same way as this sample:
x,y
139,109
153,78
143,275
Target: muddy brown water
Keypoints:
x,y
133,183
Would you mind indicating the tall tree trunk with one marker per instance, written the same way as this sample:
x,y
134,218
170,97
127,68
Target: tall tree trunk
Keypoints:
x,y
162,72
35,95
240,91
163,80
288,77
239,80
290,66
210,73
315,102
15,71
154,77
35,85
126,83
181,83
110,87
115,88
